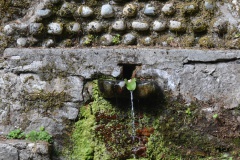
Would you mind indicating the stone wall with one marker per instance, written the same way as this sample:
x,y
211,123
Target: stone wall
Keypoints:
x,y
23,150
57,23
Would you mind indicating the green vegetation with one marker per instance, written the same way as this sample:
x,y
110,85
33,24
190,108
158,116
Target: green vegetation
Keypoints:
x,y
166,129
116,39
34,136
41,135
16,134
215,116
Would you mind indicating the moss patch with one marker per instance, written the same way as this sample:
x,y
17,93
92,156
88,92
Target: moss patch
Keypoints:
x,y
166,129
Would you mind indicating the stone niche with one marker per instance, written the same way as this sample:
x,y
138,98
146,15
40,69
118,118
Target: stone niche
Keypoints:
x,y
46,87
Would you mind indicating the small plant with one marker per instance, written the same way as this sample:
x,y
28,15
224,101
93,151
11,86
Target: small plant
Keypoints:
x,y
16,134
42,135
130,84
215,116
89,40
116,39
188,111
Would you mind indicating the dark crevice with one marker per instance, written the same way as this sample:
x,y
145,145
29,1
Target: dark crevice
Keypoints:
x,y
128,70
237,60
24,72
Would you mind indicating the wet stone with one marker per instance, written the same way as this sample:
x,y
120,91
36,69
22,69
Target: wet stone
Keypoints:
x,y
55,28
129,39
159,26
107,11
106,40
94,27
119,25
73,27
140,26
130,10
168,9
48,43
35,28
43,13
84,11
149,10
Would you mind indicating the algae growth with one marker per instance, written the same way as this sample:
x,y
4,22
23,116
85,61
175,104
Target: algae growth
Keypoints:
x,y
165,129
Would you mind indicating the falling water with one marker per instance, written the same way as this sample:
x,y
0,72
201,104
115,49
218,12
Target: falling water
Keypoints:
x,y
133,117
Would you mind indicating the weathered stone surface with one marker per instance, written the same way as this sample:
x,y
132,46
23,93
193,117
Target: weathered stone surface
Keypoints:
x,y
94,27
168,9
130,10
107,11
22,150
178,61
129,39
150,10
43,13
107,40
140,26
84,11
55,28
119,25
159,26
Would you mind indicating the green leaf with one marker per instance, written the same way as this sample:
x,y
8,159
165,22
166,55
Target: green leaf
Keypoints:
x,y
130,84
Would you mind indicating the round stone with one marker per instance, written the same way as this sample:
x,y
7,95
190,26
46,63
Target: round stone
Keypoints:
x,y
8,29
209,5
159,26
190,8
73,27
84,11
130,10
168,9
22,42
48,43
106,40
107,11
35,28
140,26
94,26
87,40
119,25
43,13
55,28
199,25
129,39
149,10
67,9
177,26
147,41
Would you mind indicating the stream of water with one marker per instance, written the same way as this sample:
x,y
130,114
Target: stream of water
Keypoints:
x,y
133,117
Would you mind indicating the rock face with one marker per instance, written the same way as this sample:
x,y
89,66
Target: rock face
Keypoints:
x,y
45,87
19,149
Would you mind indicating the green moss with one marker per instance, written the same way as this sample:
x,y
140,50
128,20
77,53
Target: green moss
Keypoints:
x,y
187,41
164,130
200,25
206,42
116,39
45,100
